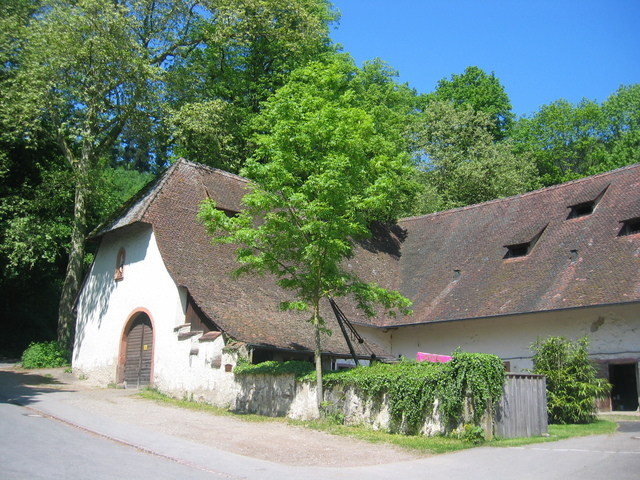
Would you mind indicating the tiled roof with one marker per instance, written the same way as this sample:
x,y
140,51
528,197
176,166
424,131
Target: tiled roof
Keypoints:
x,y
246,309
451,264
604,268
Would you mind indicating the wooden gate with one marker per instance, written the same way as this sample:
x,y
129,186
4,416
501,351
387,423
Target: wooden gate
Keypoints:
x,y
522,411
139,352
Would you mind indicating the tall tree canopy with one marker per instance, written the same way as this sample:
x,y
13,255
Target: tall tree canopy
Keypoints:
x,y
571,141
482,92
462,164
88,69
324,170
247,54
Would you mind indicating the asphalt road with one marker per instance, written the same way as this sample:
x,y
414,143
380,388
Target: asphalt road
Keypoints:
x,y
43,435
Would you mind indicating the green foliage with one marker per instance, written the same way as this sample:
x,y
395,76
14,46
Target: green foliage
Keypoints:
x,y
462,164
471,379
572,385
474,377
297,368
45,355
570,141
323,172
472,433
482,93
249,50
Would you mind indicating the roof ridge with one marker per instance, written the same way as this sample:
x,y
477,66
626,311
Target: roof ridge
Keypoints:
x,y
150,188
201,166
589,179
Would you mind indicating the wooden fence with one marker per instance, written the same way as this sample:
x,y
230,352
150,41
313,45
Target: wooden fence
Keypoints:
x,y
522,410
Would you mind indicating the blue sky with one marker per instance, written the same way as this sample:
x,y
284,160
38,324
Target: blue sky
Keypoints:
x,y
541,50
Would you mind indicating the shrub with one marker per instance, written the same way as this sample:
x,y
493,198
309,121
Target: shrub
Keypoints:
x,y
45,355
572,385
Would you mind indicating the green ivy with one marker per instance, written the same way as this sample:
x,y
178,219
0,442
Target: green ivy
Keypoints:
x,y
411,387
476,377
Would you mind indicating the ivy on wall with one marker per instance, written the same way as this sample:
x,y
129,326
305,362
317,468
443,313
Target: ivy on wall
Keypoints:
x,y
471,379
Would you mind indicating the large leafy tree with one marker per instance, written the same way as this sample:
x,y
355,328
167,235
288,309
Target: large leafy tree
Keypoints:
x,y
462,164
322,173
564,139
87,69
570,141
482,92
247,54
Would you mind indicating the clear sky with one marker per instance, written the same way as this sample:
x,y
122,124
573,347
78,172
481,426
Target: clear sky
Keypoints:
x,y
541,50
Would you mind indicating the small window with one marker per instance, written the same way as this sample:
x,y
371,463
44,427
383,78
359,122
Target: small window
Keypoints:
x,y
630,227
520,250
120,261
523,249
582,209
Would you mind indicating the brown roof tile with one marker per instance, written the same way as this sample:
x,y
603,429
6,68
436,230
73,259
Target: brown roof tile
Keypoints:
x,y
246,309
451,264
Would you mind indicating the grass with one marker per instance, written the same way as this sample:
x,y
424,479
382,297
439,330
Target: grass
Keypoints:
x,y
416,443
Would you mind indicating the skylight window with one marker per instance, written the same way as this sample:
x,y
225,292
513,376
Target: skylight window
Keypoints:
x,y
630,227
582,209
522,249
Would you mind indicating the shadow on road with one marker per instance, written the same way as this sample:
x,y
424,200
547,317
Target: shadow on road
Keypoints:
x,y
23,388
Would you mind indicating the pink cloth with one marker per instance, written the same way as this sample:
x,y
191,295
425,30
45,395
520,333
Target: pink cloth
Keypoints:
x,y
432,357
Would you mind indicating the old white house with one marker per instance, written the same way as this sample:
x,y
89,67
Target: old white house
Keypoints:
x,y
158,304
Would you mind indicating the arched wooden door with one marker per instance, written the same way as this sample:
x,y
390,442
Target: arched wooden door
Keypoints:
x,y
139,352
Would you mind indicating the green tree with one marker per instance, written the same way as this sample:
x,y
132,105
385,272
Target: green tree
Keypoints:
x,y
482,92
572,385
86,70
322,174
564,139
462,164
247,54
621,113
571,141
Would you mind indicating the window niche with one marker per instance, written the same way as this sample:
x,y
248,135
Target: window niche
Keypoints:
x,y
584,208
630,227
522,249
120,261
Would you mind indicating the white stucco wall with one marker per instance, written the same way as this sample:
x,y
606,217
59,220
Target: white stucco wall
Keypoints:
x,y
105,305
614,334
183,364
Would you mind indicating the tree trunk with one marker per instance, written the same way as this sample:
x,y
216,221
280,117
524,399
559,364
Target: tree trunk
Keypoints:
x,y
73,277
318,354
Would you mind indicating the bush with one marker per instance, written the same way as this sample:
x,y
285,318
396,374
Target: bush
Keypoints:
x,y
572,385
45,355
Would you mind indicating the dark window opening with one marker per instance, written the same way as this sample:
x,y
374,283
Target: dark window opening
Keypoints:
x,y
520,250
582,209
198,320
524,248
630,227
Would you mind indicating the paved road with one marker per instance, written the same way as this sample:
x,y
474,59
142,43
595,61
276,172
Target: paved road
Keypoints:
x,y
73,442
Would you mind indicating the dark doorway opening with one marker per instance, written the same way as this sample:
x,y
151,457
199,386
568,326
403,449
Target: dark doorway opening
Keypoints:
x,y
139,351
624,394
